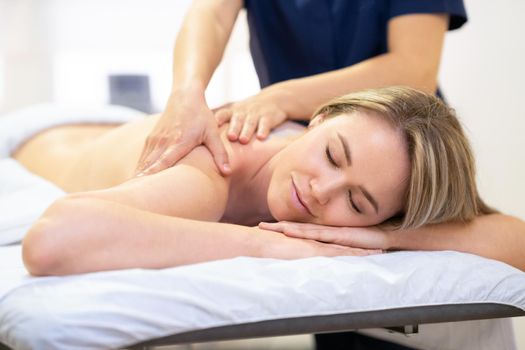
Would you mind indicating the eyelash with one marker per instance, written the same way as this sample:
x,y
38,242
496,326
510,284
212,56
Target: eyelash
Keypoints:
x,y
333,163
330,158
352,202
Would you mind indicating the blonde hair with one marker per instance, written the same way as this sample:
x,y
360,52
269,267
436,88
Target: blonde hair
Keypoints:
x,y
442,184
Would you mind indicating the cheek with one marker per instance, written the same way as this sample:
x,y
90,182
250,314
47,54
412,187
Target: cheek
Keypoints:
x,y
275,204
276,197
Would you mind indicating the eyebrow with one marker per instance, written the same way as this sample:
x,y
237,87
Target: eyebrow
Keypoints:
x,y
370,198
345,148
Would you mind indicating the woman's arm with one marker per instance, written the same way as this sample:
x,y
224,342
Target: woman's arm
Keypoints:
x,y
157,221
495,236
78,235
113,228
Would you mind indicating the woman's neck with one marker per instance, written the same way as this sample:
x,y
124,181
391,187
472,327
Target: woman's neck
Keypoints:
x,y
252,173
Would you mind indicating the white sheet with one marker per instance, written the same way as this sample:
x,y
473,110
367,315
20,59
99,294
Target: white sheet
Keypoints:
x,y
112,309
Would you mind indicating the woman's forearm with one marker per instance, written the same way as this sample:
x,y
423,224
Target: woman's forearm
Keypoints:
x,y
83,235
495,236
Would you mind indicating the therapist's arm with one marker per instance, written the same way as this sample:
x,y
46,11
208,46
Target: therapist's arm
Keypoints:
x,y
414,52
415,43
187,121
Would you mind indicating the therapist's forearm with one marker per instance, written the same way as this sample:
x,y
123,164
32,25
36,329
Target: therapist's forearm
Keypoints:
x,y
413,55
495,236
384,70
200,43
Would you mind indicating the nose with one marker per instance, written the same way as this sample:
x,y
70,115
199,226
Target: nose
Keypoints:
x,y
324,189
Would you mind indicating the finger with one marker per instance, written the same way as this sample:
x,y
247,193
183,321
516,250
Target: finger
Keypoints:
x,y
365,252
263,129
224,106
141,164
223,116
216,147
168,158
351,251
155,147
360,252
236,123
248,128
271,226
337,235
291,228
151,159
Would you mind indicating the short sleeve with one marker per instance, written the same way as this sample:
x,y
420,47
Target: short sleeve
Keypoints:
x,y
455,9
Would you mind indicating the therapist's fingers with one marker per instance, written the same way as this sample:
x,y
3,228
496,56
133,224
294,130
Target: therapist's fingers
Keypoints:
x,y
151,152
214,143
141,164
263,129
223,116
236,124
167,158
248,128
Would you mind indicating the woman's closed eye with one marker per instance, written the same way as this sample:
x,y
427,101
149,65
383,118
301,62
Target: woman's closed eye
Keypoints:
x,y
332,162
352,203
330,157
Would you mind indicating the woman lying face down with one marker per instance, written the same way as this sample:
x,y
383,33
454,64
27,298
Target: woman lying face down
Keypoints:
x,y
392,156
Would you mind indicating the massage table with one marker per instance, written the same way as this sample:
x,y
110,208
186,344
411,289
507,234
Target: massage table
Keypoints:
x,y
444,299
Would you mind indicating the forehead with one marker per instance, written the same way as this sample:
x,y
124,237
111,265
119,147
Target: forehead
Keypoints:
x,y
360,119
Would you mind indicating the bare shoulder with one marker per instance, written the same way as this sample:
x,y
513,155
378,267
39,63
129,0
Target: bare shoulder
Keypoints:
x,y
192,189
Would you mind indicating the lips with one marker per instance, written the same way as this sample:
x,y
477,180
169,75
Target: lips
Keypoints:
x,y
298,195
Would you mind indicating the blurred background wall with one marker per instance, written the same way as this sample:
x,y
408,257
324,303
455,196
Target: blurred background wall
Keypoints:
x,y
65,51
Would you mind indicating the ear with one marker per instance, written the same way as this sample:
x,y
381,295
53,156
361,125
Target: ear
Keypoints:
x,y
318,119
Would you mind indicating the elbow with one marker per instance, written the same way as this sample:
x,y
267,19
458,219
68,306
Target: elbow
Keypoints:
x,y
43,246
38,251
418,72
425,78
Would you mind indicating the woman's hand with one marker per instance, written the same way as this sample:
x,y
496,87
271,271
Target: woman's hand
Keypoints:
x,y
186,123
278,245
256,115
356,237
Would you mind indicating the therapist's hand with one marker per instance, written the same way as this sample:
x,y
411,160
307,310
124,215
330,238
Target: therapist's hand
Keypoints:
x,y
358,237
186,123
256,115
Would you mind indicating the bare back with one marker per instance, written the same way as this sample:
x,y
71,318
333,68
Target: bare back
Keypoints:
x,y
86,157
